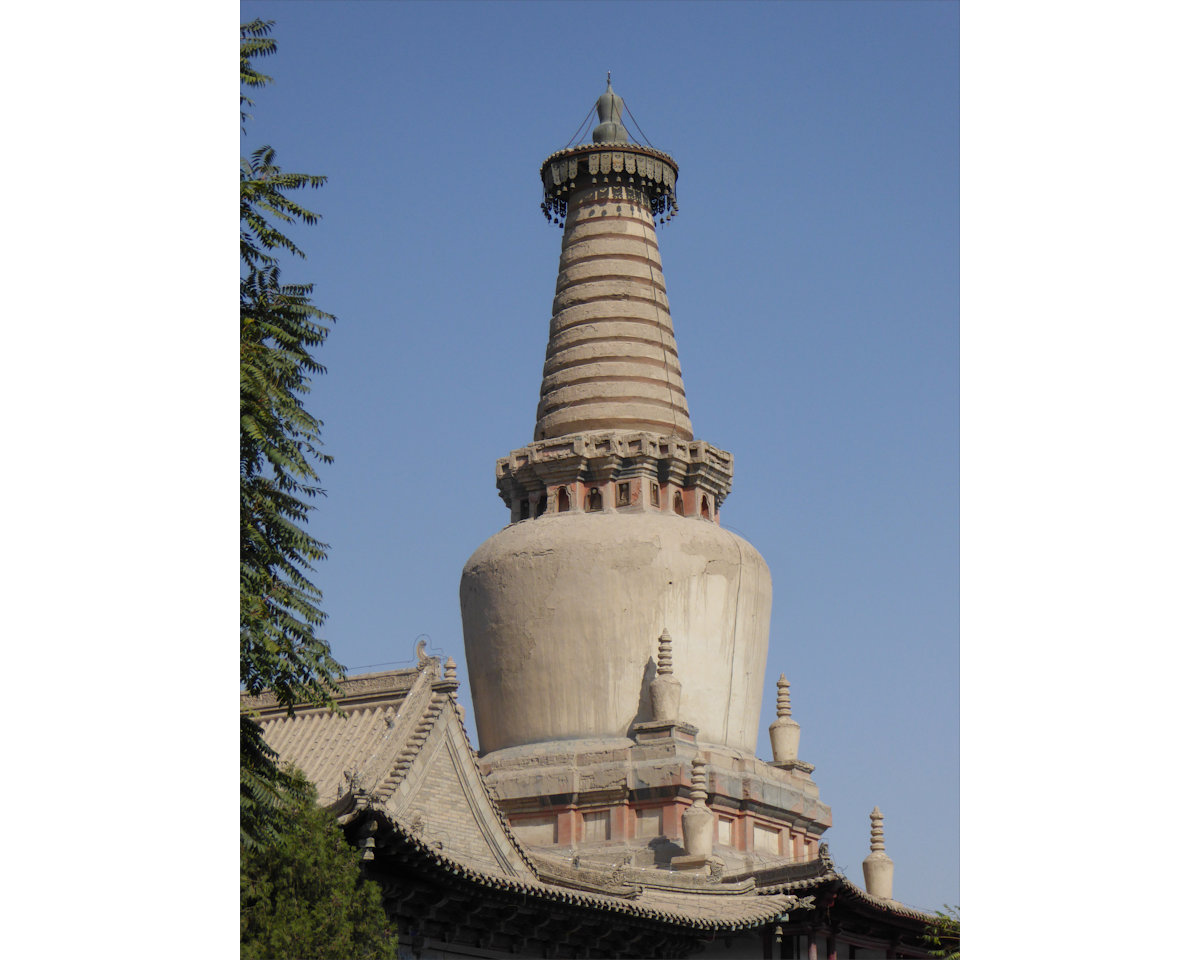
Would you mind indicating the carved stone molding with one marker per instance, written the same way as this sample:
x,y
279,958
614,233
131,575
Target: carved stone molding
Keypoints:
x,y
610,457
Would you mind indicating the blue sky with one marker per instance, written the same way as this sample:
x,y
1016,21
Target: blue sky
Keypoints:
x,y
813,278
1079,347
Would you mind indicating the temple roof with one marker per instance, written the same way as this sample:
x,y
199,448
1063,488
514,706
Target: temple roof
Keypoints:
x,y
400,747
397,768
710,912
821,876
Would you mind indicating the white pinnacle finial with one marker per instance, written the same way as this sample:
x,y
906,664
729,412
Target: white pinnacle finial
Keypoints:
x,y
785,732
451,669
665,662
876,830
664,688
783,698
878,869
699,781
697,820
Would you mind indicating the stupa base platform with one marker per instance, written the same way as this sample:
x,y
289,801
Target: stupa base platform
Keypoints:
x,y
613,802
706,866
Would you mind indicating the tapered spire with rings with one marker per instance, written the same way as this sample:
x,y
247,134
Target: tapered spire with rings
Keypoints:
x,y
612,362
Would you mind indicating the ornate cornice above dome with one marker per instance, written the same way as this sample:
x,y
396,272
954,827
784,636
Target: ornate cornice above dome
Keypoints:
x,y
694,468
649,171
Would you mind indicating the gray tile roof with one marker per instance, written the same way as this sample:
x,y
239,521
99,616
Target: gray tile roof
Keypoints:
x,y
399,755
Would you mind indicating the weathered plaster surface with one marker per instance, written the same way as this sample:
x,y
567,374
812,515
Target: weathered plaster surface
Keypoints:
x,y
561,619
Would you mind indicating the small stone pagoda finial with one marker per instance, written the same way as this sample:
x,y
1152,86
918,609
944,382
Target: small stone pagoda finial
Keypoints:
x,y
699,781
876,830
448,684
783,697
878,869
664,688
665,663
697,819
785,732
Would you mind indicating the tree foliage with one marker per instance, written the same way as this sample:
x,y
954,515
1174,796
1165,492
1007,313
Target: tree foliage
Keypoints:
x,y
305,895
280,444
942,935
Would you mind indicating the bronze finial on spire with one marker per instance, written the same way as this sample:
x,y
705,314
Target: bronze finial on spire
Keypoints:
x,y
608,109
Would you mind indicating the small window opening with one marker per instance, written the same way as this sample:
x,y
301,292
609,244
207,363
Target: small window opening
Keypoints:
x,y
595,501
704,508
524,509
622,494
541,506
654,494
679,503
564,500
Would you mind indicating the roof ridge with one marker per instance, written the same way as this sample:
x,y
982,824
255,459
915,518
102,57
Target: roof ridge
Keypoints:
x,y
606,902
489,792
895,906
418,729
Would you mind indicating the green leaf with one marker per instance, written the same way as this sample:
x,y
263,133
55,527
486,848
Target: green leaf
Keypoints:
x,y
280,446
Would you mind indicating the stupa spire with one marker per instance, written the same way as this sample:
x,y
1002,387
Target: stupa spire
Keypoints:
x,y
784,732
613,532
611,362
614,467
664,688
878,869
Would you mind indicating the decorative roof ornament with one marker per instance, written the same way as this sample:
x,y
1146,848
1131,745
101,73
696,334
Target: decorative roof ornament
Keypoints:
x,y
665,660
612,159
878,869
608,108
785,732
697,819
783,697
699,791
876,831
448,684
664,688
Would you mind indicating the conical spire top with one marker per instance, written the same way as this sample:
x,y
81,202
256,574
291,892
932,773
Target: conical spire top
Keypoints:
x,y
878,869
699,788
785,732
783,697
876,830
666,665
608,109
